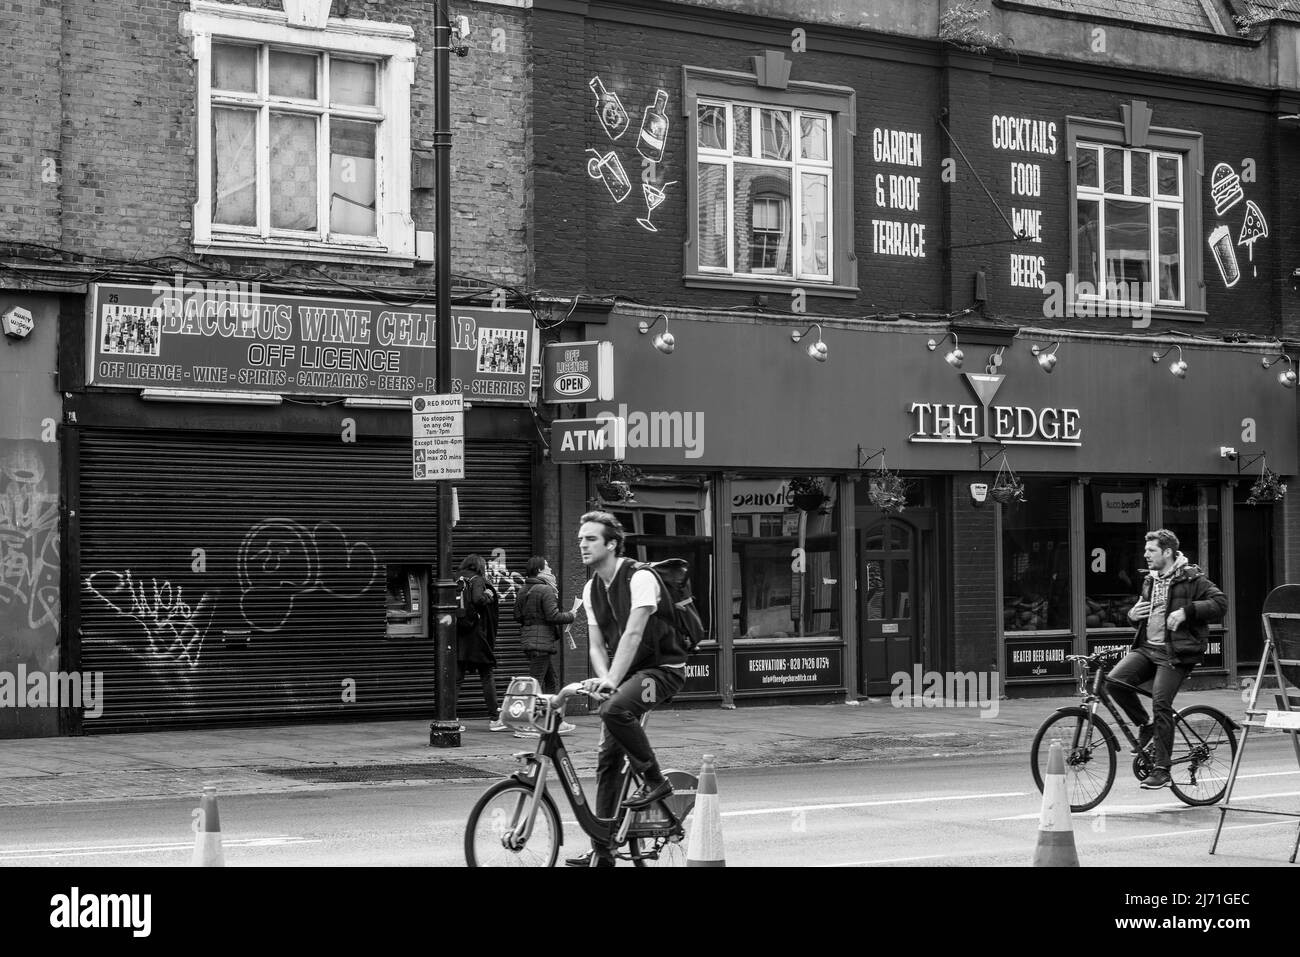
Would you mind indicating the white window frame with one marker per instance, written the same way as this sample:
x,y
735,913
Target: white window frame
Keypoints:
x,y
392,48
796,166
1154,200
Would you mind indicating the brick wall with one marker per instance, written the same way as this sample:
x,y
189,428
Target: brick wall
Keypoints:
x,y
29,121
975,608
125,141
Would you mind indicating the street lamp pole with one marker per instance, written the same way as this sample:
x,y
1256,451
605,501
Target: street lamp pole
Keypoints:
x,y
443,731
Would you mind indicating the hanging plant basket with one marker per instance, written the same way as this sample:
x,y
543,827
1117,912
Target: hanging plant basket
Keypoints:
x,y
887,491
807,494
1267,489
614,482
1007,486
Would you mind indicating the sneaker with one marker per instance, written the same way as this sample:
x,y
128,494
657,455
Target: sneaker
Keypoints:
x,y
1145,734
566,728
584,860
648,794
497,725
527,734
1159,778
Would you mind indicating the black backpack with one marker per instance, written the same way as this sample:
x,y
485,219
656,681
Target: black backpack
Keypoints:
x,y
519,603
466,613
674,576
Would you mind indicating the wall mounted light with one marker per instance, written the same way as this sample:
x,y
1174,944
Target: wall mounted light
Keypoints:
x,y
953,358
816,349
226,398
1287,378
664,341
1178,367
1046,359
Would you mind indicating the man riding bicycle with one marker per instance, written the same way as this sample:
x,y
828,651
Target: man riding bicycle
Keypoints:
x,y
628,606
1173,615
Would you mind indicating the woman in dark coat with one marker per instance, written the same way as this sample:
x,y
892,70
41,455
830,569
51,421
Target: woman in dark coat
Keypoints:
x,y
541,624
476,638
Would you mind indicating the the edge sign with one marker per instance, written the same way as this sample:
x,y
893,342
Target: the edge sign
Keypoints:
x,y
578,372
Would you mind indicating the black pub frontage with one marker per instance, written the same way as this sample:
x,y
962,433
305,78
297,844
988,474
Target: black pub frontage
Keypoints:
x,y
248,538
758,462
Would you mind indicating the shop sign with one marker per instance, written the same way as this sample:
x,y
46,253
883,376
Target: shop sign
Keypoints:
x,y
1121,507
587,440
777,670
1039,658
438,437
701,674
232,337
750,497
985,422
578,372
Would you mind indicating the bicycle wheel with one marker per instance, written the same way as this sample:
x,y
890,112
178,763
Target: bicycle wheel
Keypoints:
x,y
497,812
658,852
1201,758
1089,756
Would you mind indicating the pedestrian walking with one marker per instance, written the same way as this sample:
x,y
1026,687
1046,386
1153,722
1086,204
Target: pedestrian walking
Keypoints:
x,y
476,633
542,624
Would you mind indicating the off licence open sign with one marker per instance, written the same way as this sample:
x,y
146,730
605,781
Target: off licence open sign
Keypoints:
x,y
438,437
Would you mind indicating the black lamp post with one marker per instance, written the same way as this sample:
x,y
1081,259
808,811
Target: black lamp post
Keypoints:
x,y
443,731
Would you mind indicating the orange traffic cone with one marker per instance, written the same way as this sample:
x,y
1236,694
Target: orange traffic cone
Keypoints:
x,y
207,826
1055,831
705,846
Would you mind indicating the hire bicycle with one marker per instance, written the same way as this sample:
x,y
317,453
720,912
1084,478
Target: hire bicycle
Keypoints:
x,y
1205,742
516,822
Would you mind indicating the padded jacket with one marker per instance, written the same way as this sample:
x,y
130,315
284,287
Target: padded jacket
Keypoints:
x,y
540,619
1204,603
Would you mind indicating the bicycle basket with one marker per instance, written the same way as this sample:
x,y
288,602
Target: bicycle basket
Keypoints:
x,y
524,707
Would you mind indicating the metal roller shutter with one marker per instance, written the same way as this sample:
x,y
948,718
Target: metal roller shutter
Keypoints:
x,y
496,523
233,579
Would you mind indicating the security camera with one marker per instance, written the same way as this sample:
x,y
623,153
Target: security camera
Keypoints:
x,y
1227,453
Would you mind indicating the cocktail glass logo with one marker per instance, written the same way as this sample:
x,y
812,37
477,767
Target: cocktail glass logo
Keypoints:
x,y
1109,300
949,689
659,429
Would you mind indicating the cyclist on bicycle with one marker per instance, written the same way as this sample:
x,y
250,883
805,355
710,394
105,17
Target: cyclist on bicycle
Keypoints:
x,y
627,609
1173,615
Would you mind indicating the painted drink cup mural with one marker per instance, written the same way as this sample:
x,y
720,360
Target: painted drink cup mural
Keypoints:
x,y
1225,257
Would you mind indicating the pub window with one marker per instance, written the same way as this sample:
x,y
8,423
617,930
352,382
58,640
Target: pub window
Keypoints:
x,y
1136,221
671,516
406,604
1036,558
1114,536
1192,513
770,184
784,559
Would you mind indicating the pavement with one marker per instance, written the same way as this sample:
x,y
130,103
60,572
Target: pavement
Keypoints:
x,y
168,764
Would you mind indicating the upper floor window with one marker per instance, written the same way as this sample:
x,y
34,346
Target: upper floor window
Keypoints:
x,y
764,193
1136,221
771,184
303,136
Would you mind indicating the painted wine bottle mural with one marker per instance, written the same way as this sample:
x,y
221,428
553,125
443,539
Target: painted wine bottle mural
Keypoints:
x,y
654,128
609,109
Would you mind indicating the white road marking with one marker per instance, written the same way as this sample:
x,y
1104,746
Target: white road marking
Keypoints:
x,y
1239,800
856,804
1112,840
36,853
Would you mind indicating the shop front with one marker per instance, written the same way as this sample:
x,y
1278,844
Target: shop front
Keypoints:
x,y
251,540
884,510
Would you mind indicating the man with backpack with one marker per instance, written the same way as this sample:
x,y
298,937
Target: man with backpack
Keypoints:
x,y
630,611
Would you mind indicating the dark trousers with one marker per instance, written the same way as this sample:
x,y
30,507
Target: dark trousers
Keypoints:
x,y
621,733
541,665
484,672
1138,667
